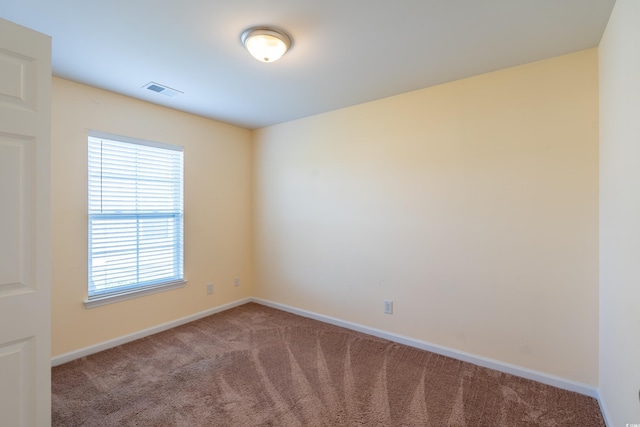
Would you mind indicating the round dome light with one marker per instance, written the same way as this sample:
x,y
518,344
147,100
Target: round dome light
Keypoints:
x,y
265,44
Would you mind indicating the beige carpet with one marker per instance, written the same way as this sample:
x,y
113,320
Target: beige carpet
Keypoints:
x,y
256,366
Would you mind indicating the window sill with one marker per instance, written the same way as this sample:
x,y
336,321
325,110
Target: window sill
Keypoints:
x,y
110,299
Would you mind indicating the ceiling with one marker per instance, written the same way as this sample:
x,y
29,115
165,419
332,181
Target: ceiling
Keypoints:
x,y
344,52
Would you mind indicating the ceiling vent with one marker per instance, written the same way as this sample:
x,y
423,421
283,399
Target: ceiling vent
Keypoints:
x,y
165,90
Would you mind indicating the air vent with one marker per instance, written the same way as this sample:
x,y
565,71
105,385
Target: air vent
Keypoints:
x,y
165,90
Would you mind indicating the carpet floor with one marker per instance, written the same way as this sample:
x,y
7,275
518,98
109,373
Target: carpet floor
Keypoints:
x,y
257,366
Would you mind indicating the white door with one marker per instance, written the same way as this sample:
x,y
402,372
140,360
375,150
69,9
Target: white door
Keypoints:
x,y
25,296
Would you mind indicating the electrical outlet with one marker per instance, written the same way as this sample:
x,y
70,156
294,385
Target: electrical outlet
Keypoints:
x,y
388,306
209,288
236,282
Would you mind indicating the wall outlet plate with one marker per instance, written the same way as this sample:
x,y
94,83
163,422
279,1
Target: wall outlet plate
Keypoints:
x,y
388,306
209,288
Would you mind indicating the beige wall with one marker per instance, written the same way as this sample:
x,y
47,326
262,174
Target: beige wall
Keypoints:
x,y
620,213
472,205
217,213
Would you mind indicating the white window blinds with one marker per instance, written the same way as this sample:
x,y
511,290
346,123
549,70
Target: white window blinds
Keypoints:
x,y
135,215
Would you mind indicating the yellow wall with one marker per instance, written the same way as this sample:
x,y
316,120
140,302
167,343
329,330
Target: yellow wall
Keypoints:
x,y
217,213
620,213
472,205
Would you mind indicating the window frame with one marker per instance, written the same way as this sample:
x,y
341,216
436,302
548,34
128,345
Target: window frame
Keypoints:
x,y
125,292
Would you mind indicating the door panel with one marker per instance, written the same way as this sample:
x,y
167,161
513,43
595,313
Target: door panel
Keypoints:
x,y
15,188
25,253
17,373
18,85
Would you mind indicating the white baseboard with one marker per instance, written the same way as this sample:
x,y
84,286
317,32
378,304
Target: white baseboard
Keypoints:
x,y
519,371
604,410
68,357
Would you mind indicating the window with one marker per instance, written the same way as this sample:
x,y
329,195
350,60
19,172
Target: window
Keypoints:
x,y
135,217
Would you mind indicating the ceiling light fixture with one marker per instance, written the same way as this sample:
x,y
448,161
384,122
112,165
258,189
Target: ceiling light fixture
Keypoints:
x,y
265,44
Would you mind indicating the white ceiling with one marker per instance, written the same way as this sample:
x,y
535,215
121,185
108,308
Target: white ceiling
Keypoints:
x,y
344,52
